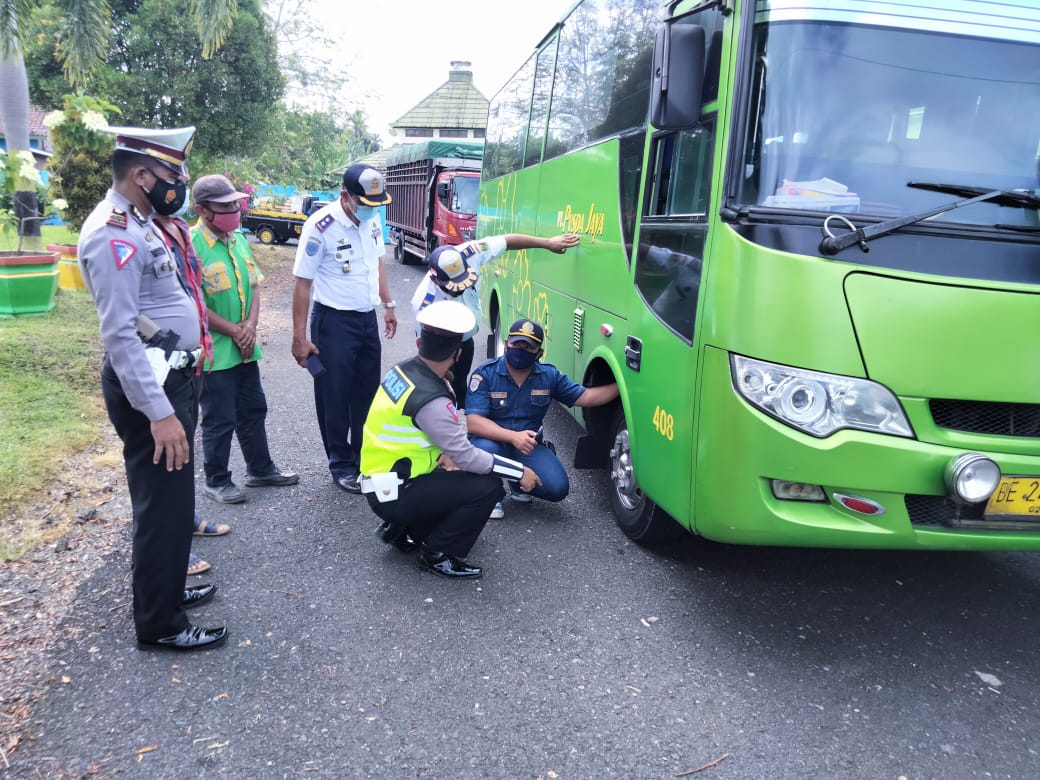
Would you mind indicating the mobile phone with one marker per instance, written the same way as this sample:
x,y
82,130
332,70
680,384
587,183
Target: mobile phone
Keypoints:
x,y
314,364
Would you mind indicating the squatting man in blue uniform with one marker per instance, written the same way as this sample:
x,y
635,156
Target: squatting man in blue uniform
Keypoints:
x,y
420,473
507,402
151,390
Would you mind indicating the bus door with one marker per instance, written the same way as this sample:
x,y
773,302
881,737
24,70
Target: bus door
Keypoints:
x,y
660,357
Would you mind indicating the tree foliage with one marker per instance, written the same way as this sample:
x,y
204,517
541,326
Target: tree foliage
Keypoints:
x,y
80,168
164,80
235,99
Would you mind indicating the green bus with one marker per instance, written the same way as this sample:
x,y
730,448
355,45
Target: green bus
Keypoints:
x,y
810,258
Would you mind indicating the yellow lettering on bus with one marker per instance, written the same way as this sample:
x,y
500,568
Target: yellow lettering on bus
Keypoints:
x,y
664,423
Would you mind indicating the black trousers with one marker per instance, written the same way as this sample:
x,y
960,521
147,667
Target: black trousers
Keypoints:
x,y
446,510
460,373
163,504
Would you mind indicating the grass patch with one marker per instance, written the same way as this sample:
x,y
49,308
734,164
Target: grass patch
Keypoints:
x,y
50,403
49,234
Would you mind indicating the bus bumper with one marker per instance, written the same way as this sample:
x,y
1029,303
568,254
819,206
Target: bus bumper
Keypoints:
x,y
740,451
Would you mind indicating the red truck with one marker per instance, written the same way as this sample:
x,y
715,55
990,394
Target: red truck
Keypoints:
x,y
434,185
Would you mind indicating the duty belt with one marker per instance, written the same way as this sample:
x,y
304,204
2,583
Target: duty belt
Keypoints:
x,y
182,359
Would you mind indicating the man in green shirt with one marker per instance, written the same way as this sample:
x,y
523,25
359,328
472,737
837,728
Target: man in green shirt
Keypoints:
x,y
232,400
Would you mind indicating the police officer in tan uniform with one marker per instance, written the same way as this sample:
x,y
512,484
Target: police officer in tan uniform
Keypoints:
x,y
151,390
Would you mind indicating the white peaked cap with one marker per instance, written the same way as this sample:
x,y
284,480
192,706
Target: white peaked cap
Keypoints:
x,y
447,317
169,147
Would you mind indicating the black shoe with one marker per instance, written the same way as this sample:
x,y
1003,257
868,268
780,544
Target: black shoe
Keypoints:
x,y
349,482
274,479
395,534
191,638
445,565
198,594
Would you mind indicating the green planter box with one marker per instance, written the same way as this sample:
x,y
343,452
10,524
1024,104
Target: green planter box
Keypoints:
x,y
28,281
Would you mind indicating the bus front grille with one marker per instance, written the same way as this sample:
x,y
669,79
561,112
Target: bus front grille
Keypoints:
x,y
940,512
928,512
998,419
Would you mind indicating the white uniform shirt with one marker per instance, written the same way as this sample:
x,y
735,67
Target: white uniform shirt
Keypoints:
x,y
341,258
477,253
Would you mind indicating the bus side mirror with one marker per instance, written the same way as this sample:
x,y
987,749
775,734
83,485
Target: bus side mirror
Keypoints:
x,y
678,74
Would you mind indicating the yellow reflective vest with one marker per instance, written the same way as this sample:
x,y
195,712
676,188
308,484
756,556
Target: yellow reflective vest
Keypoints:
x,y
391,440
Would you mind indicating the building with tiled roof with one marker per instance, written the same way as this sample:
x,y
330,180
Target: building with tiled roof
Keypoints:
x,y
456,109
39,136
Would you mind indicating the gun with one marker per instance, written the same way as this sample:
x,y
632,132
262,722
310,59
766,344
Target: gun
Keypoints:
x,y
150,333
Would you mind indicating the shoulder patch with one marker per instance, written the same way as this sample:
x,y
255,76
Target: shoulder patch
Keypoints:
x,y
325,222
395,384
122,251
474,382
117,219
468,252
313,245
453,411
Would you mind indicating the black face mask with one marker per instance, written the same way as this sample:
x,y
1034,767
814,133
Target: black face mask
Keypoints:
x,y
167,197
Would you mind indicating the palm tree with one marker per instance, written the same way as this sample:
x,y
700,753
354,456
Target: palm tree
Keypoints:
x,y
83,38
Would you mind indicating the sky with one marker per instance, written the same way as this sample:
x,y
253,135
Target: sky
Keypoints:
x,y
396,53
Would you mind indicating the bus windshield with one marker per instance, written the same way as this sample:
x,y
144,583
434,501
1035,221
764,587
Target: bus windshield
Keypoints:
x,y
843,116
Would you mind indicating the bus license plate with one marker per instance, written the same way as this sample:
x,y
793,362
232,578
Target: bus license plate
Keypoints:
x,y
1015,497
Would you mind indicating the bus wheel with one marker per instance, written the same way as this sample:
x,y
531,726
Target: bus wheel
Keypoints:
x,y
636,515
497,347
265,235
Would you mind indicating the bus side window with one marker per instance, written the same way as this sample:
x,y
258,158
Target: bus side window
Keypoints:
x,y
508,116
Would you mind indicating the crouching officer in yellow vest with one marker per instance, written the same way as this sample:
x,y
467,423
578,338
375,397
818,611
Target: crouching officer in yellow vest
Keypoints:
x,y
420,473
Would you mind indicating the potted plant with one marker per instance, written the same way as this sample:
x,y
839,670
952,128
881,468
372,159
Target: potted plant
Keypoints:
x,y
79,170
28,277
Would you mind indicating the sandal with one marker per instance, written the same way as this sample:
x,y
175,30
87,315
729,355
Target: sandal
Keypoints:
x,y
196,565
210,528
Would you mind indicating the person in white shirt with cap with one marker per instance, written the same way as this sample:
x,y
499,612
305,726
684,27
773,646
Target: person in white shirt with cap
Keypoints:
x,y
420,473
455,273
153,326
339,265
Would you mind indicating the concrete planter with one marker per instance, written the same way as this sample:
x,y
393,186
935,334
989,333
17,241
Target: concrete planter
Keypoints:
x,y
69,275
28,281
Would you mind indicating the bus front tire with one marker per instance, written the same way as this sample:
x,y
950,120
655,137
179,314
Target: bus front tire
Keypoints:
x,y
637,516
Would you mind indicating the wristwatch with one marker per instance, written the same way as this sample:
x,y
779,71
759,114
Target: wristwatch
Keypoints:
x,y
389,304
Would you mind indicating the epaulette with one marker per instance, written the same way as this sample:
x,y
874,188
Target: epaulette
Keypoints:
x,y
325,223
117,218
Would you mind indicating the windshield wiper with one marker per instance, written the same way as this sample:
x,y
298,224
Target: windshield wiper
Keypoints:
x,y
833,244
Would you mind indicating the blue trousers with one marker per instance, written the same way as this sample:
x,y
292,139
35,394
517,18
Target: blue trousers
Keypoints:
x,y
542,461
350,351
233,403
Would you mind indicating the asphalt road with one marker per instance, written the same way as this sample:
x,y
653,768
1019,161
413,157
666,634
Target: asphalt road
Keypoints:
x,y
577,655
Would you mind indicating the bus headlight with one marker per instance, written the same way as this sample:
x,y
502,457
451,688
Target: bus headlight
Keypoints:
x,y
818,403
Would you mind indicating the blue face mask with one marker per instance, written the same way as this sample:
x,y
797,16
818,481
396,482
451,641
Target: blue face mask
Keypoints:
x,y
364,212
519,358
